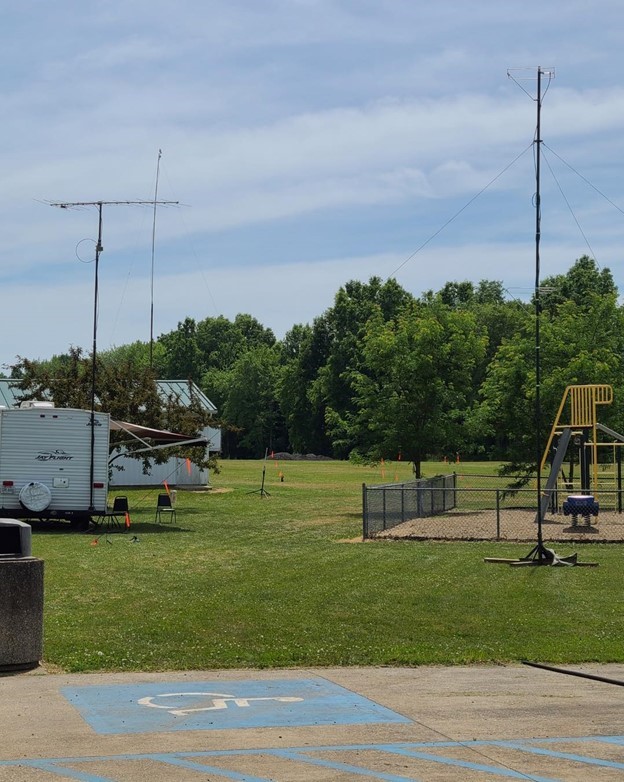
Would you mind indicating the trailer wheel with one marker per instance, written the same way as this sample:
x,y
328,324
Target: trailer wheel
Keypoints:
x,y
80,523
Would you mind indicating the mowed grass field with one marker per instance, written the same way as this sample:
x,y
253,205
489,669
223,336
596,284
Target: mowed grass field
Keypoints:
x,y
251,580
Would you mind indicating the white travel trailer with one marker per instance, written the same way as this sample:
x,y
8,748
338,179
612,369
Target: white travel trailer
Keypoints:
x,y
54,463
175,470
46,465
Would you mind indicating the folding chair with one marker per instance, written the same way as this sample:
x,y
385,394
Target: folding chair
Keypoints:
x,y
120,508
164,508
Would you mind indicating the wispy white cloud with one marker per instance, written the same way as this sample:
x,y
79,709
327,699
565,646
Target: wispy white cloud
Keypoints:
x,y
279,122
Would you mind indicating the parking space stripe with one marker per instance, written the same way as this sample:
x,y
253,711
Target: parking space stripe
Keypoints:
x,y
173,760
500,771
311,756
523,747
337,766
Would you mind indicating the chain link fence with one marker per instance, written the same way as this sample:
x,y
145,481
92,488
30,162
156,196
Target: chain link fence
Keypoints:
x,y
389,505
483,507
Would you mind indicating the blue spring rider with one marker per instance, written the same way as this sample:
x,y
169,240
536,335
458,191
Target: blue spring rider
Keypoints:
x,y
583,505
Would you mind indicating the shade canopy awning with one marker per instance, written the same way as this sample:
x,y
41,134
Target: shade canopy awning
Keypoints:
x,y
155,435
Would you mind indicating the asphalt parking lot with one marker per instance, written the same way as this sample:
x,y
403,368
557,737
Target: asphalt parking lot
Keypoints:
x,y
463,723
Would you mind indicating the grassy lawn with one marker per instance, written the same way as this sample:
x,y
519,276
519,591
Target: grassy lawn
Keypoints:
x,y
284,580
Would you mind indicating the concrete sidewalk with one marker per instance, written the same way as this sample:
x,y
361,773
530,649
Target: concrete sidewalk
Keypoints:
x,y
463,723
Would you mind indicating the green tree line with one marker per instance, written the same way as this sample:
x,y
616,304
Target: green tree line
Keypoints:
x,y
383,373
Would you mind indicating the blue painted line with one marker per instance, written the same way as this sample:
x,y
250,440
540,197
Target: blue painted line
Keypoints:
x,y
500,771
183,706
346,767
567,739
505,742
562,740
523,747
223,772
192,760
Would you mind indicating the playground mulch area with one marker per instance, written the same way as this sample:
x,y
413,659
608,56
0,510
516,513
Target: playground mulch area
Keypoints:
x,y
513,524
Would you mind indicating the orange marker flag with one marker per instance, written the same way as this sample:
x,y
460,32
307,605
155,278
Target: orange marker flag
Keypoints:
x,y
167,488
188,466
127,520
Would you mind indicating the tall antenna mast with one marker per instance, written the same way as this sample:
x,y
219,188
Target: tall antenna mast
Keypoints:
x,y
151,344
99,249
539,555
538,552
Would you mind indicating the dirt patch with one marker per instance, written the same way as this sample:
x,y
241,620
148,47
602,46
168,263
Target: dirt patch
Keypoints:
x,y
299,457
510,524
209,491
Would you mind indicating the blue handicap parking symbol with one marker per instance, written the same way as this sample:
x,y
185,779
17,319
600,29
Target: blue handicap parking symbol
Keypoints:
x,y
222,705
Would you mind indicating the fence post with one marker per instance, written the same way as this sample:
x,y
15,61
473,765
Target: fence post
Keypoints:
x,y
446,494
497,514
364,513
383,506
619,478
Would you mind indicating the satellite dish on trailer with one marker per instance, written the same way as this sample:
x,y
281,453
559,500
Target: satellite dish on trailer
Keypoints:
x,y
35,496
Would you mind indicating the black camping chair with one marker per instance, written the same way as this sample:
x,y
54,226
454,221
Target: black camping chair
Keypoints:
x,y
165,510
120,509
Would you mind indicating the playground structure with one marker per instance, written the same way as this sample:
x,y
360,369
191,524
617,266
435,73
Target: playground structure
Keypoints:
x,y
582,468
576,432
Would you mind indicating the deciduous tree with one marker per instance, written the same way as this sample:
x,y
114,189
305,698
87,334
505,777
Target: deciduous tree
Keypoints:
x,y
412,392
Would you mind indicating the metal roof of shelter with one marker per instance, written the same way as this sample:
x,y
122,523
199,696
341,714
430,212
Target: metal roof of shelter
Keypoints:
x,y
10,394
183,390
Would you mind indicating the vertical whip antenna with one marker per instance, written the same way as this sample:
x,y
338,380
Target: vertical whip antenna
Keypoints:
x,y
151,343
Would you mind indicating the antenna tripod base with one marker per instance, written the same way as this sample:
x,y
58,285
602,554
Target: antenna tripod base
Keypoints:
x,y
540,555
261,491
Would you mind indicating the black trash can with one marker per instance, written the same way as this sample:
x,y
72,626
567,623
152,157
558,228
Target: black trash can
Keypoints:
x,y
21,598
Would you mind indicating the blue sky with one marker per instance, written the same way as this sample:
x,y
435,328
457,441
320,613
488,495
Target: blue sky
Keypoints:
x,y
309,142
